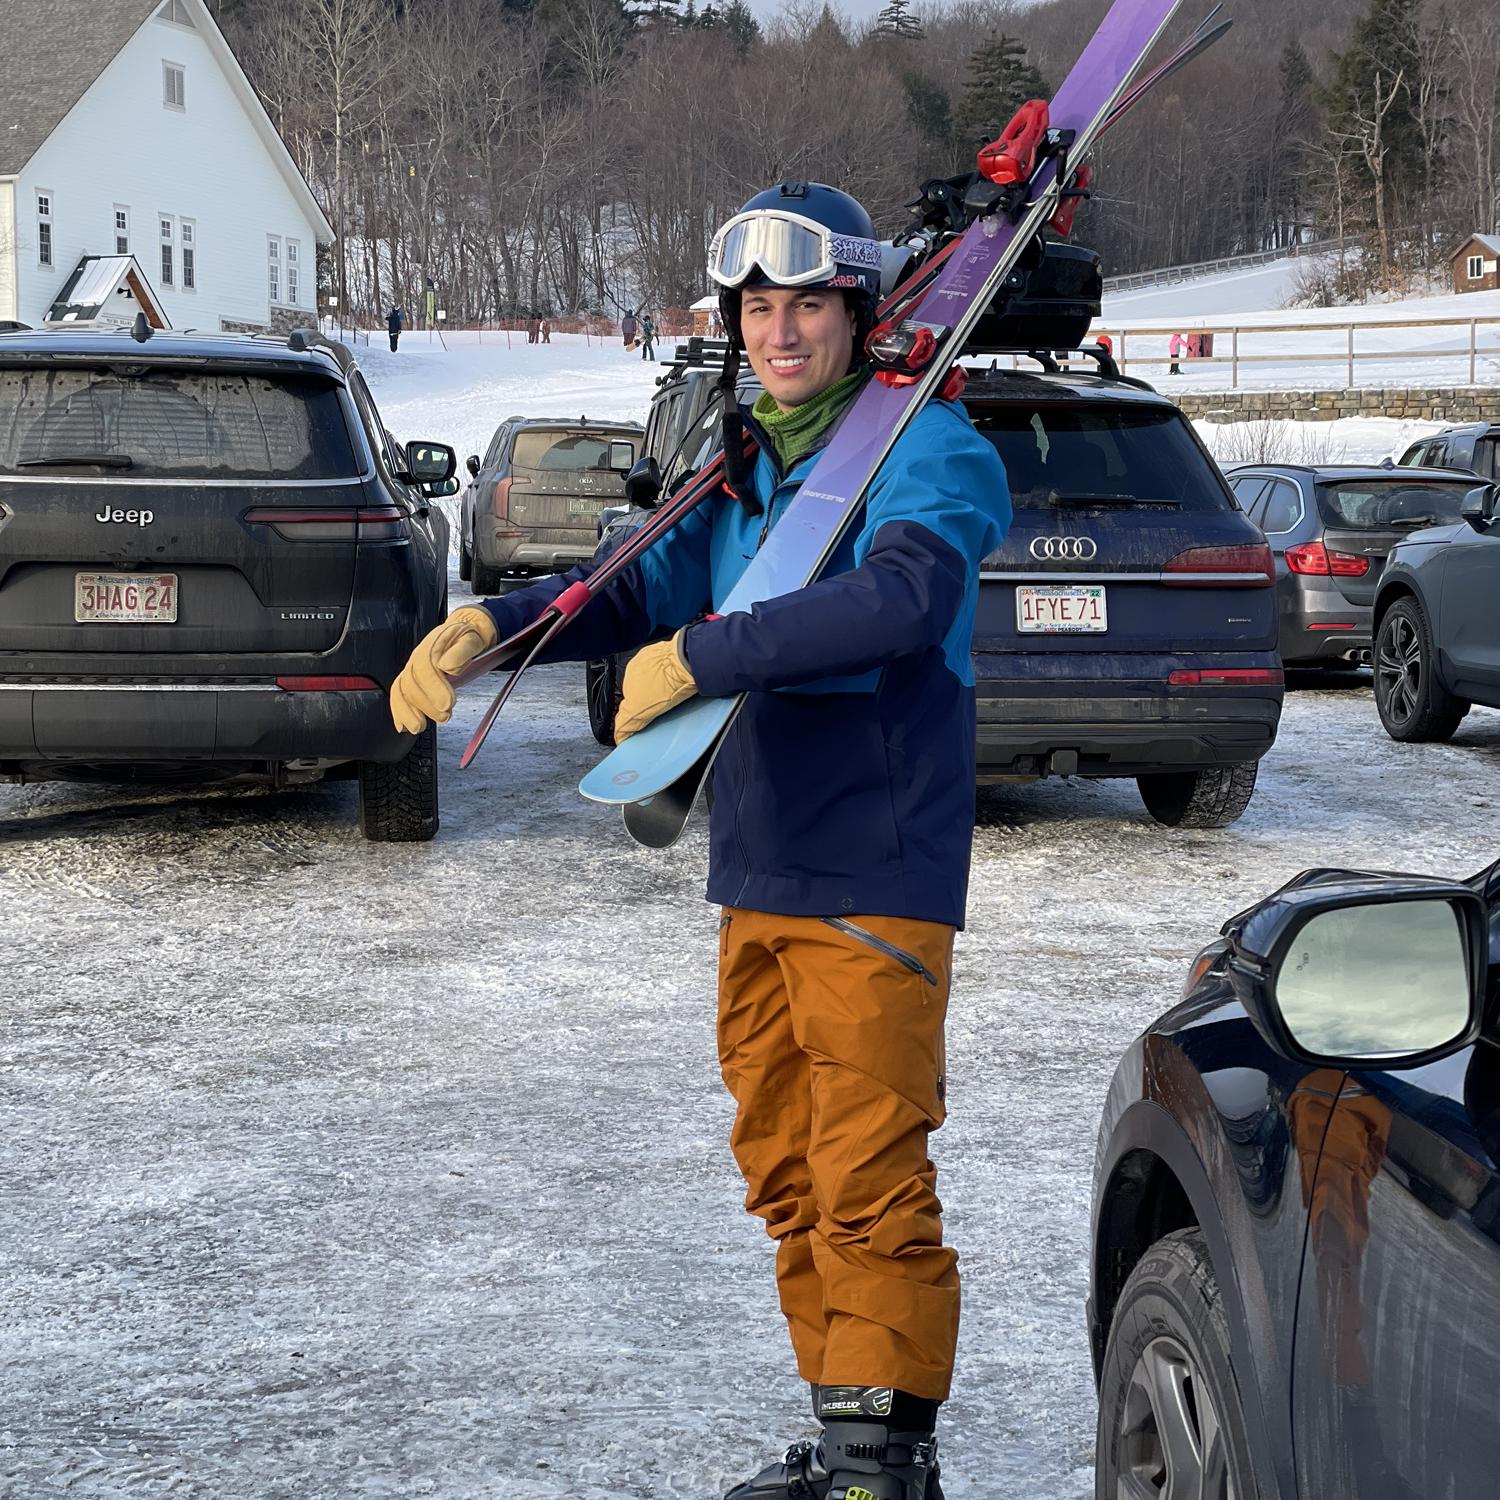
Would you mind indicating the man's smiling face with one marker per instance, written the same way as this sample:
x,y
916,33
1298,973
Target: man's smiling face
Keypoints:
x,y
799,340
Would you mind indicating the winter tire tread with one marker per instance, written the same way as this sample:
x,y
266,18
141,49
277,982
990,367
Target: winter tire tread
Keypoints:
x,y
398,804
1213,797
1436,713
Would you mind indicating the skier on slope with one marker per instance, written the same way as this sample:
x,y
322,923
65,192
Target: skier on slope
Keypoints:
x,y
840,829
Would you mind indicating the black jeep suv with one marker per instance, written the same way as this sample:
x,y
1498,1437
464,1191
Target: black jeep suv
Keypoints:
x,y
213,561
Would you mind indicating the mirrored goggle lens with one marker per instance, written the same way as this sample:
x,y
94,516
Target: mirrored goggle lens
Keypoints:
x,y
786,251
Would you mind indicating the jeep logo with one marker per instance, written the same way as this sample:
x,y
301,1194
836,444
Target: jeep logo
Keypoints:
x,y
126,517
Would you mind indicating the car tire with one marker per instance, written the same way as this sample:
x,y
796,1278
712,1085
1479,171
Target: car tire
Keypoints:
x,y
486,579
398,804
1213,797
465,561
601,680
1413,705
1170,1416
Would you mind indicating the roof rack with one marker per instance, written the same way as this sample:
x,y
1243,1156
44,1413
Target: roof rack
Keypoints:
x,y
701,351
1047,359
300,340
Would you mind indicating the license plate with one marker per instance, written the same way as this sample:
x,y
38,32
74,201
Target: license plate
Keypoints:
x,y
1061,610
585,507
125,598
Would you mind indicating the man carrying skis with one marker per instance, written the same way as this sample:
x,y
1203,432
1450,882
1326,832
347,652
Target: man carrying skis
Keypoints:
x,y
840,829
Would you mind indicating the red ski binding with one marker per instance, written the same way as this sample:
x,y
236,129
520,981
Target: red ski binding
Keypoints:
x,y
1011,160
901,351
1061,222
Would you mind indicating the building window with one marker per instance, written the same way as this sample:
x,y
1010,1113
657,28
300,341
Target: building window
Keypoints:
x,y
174,85
293,270
273,266
168,250
1476,267
189,255
175,12
44,229
122,230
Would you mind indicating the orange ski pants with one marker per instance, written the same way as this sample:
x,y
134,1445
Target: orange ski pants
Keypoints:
x,y
831,1041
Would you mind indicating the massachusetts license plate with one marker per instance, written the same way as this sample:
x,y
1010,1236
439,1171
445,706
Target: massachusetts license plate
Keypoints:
x,y
585,507
1061,610
125,598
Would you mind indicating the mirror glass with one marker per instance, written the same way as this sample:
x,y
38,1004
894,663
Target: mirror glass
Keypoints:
x,y
1380,981
429,463
621,456
438,488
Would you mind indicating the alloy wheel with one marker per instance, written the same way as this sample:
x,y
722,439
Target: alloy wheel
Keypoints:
x,y
1172,1443
1398,666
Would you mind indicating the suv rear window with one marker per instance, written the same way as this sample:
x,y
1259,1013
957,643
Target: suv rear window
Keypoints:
x,y
1060,456
1402,503
550,451
158,423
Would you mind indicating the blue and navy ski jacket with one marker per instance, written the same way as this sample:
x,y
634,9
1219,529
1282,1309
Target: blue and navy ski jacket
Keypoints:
x,y
846,783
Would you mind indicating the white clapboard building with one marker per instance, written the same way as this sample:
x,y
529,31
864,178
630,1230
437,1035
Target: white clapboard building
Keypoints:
x,y
139,172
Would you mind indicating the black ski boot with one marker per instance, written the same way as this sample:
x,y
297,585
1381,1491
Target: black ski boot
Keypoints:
x,y
861,1456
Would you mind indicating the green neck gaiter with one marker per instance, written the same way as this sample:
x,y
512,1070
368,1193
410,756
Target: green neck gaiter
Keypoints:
x,y
793,432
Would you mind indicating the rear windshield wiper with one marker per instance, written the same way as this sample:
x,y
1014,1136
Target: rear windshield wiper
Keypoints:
x,y
80,460
1416,523
1109,500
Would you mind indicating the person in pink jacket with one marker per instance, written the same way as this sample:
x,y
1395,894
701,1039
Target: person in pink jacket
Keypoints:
x,y
1175,349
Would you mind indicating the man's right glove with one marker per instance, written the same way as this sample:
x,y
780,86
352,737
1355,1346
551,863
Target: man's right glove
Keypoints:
x,y
424,690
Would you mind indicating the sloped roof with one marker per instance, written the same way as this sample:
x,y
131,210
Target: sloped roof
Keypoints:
x,y
1489,241
50,53
97,284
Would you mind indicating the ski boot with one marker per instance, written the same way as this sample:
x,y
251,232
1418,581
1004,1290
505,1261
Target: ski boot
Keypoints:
x,y
859,1457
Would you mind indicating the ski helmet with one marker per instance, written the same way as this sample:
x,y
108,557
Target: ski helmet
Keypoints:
x,y
798,234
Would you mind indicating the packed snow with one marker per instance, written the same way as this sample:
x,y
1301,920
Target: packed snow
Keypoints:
x,y
337,1170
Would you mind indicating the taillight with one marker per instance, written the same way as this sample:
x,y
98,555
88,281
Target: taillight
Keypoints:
x,y
1244,567
373,523
500,506
1228,677
1316,559
327,684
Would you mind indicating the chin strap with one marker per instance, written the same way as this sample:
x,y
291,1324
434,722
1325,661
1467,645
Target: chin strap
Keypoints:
x,y
732,429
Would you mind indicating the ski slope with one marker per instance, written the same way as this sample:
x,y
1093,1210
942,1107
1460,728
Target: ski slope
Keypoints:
x,y
1254,289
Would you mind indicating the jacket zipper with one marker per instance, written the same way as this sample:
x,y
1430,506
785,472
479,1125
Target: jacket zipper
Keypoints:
x,y
871,940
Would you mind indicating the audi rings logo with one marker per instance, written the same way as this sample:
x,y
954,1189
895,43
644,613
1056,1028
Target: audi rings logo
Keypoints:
x,y
1064,549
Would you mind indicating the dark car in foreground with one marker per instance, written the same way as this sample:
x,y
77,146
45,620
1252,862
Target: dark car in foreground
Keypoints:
x,y
1437,647
1331,528
1295,1282
533,502
214,560
1126,628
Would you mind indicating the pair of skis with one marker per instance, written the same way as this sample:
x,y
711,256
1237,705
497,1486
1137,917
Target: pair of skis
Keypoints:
x,y
1029,177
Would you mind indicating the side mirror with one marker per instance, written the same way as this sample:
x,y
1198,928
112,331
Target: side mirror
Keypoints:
x,y
1479,505
1350,970
621,456
471,463
430,463
643,484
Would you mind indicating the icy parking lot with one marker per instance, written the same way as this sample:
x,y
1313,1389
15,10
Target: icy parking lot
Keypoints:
x,y
335,1170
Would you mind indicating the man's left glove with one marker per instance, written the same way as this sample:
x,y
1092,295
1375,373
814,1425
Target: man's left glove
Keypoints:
x,y
423,691
656,679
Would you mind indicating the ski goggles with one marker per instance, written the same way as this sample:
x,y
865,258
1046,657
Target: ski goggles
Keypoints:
x,y
789,250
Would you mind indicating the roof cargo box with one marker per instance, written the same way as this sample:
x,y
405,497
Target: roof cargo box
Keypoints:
x,y
1048,303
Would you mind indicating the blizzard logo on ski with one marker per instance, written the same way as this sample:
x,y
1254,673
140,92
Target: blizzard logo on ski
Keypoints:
x,y
127,517
824,495
855,1401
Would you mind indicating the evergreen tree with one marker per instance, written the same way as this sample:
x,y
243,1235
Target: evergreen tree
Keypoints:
x,y
1293,130
740,22
895,22
928,108
1000,81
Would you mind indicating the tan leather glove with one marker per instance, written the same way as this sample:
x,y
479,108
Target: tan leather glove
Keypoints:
x,y
656,679
423,691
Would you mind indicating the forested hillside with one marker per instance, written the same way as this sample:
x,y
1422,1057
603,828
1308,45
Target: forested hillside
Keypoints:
x,y
570,155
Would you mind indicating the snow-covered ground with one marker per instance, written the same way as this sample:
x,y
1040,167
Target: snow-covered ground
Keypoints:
x,y
338,1171
1254,299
